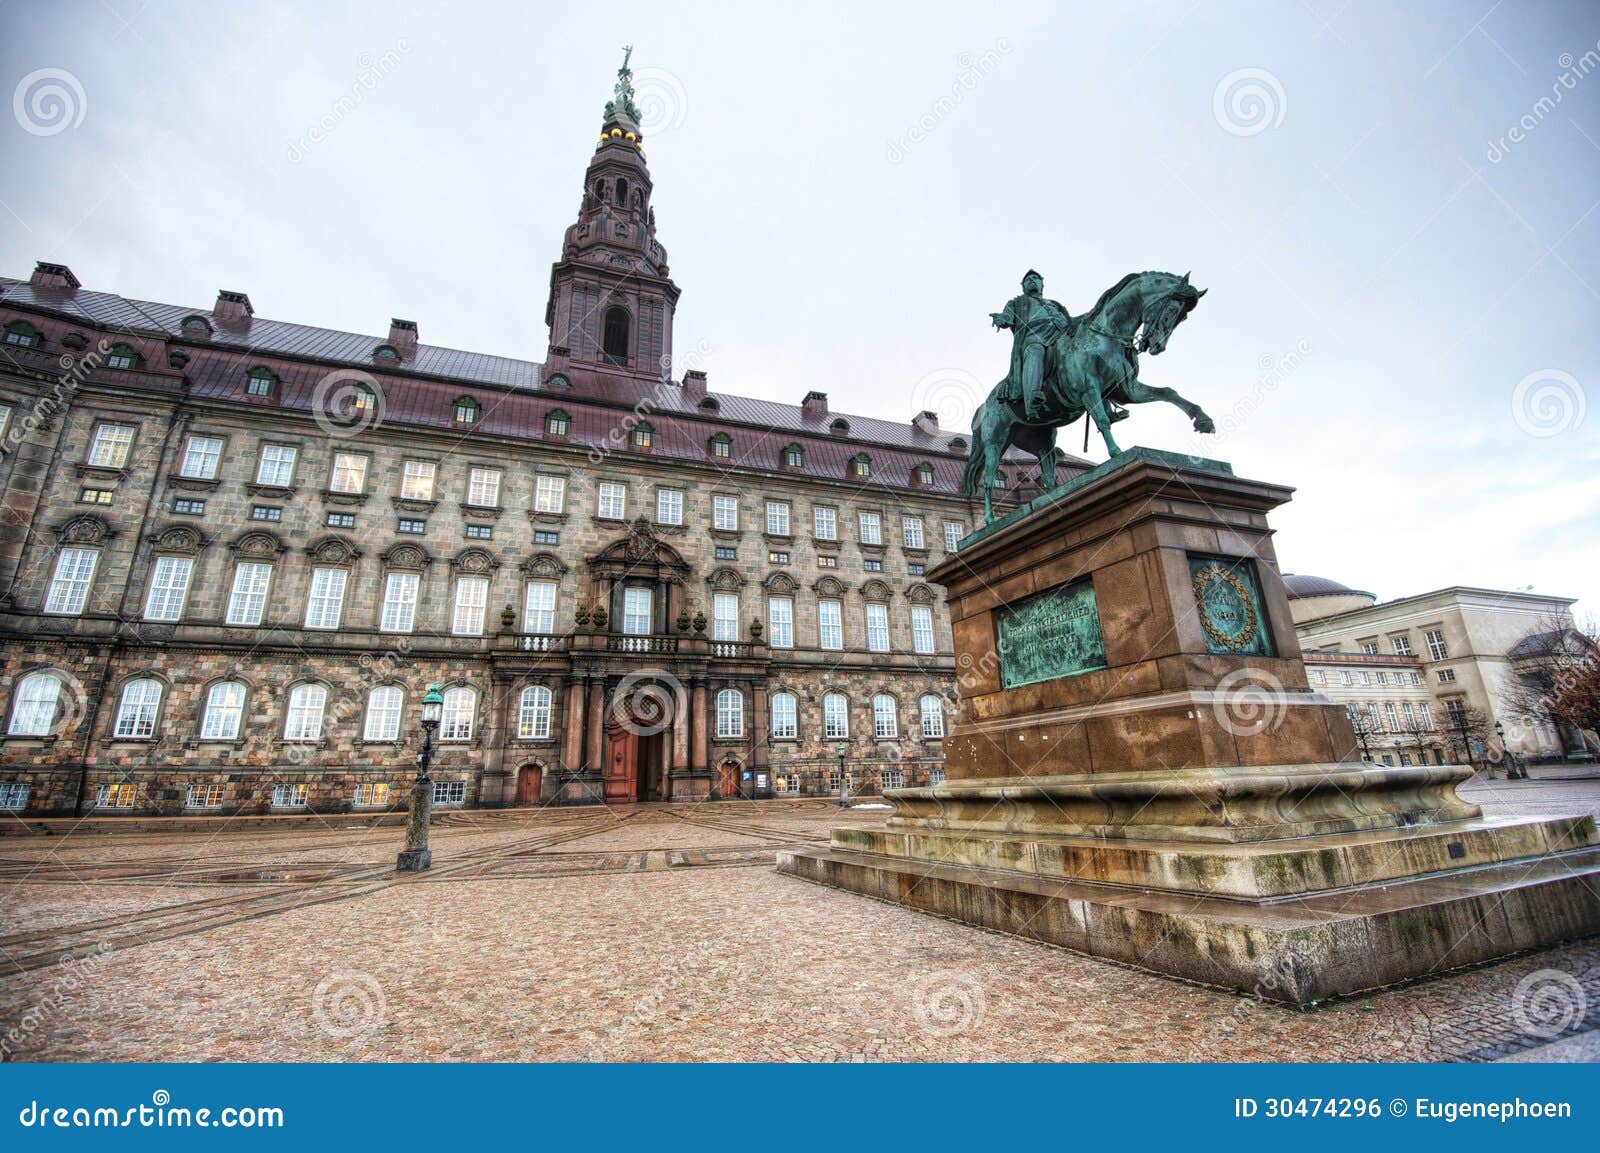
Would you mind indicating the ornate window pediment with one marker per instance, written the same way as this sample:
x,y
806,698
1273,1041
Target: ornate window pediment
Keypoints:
x,y
921,594
726,580
258,546
180,539
333,550
876,590
544,565
405,556
781,583
84,530
830,587
473,561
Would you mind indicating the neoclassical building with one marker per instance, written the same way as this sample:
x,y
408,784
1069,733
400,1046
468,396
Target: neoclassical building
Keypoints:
x,y
235,552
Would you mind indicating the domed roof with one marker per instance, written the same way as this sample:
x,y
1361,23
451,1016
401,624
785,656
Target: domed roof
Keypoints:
x,y
1300,587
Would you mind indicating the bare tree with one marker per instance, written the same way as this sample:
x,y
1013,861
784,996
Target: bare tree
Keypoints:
x,y
1555,681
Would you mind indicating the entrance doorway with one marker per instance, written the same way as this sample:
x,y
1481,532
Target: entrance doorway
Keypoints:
x,y
530,782
729,780
636,767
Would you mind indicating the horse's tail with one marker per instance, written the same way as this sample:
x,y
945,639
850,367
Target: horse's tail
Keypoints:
x,y
977,452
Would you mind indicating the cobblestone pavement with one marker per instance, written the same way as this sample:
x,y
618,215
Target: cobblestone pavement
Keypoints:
x,y
658,933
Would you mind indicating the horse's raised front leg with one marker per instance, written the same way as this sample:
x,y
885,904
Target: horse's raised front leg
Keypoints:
x,y
1139,392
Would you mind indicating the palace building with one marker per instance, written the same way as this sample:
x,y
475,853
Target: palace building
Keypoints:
x,y
235,553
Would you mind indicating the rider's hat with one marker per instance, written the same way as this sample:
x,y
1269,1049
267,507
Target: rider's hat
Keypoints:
x,y
1031,272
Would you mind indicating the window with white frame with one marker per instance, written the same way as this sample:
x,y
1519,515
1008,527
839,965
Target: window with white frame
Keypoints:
x,y
136,711
303,719
730,713
1390,716
472,599
911,532
636,611
786,782
276,466
1437,650
725,617
1427,718
785,717
371,795
922,628
613,500
169,588
483,487
457,713
780,622
835,717
825,522
449,792
325,606
224,712
416,479
118,796
778,518
35,704
349,474
69,583
200,457
830,624
289,796
111,445
384,704
1402,644
1370,648
877,627
953,533
935,776
533,714
669,506
871,528
932,709
13,795
725,513
203,797
539,607
892,778
247,602
549,494
399,613
885,722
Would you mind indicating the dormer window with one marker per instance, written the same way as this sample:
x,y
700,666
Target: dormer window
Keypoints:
x,y
466,411
710,404
840,427
363,399
122,356
861,465
958,444
23,335
922,474
557,423
559,380
642,435
196,326
794,457
385,352
262,382
722,446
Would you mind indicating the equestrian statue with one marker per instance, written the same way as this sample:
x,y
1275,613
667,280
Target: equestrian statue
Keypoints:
x,y
1063,368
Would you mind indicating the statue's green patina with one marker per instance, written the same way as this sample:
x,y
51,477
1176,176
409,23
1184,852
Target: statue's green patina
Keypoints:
x,y
1063,367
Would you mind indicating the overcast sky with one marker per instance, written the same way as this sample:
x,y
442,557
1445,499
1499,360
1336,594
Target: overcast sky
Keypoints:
x,y
1403,291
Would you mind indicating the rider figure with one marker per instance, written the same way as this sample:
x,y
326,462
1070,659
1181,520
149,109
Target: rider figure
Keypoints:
x,y
1035,322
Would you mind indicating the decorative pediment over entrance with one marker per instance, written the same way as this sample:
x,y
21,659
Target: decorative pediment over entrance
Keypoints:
x,y
640,554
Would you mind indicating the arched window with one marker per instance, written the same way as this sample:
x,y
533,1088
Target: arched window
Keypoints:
x,y
730,713
303,721
383,714
121,356
136,713
839,427
557,422
861,465
932,715
224,712
23,334
885,724
386,352
622,192
722,446
643,435
785,717
835,717
616,335
456,717
261,382
34,708
196,326
533,714
794,457
466,410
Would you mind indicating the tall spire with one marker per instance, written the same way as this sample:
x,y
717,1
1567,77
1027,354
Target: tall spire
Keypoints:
x,y
622,104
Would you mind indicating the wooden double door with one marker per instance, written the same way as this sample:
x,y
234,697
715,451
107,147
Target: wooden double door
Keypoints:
x,y
636,768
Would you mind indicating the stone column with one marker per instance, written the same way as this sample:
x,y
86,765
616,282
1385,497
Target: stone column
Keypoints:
x,y
698,737
572,730
595,759
758,726
680,729
494,744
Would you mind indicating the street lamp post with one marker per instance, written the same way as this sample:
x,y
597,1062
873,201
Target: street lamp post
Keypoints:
x,y
1514,771
844,778
416,856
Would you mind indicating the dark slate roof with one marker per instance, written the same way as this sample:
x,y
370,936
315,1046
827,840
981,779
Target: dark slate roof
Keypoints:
x,y
1300,586
1550,643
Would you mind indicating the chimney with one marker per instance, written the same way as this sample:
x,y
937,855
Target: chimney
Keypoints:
x,y
926,422
815,404
47,275
232,307
403,335
694,385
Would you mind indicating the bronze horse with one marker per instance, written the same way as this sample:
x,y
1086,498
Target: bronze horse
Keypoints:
x,y
1092,368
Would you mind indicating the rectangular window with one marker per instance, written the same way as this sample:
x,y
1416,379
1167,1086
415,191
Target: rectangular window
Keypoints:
x,y
69,585
825,522
399,602
550,494
871,564
449,792
539,607
341,520
1389,715
777,558
248,600
921,628
483,487
613,501
276,466
545,536
916,568
911,532
349,473
725,617
780,622
730,714
726,552
1380,677
200,457
1436,646
835,718
411,525
725,513
827,560
416,479
383,714
13,794
1447,676
189,507
885,721
932,717
111,445
636,613
1402,644
169,587
480,532
669,506
325,606
878,628
893,778
115,796
1370,647
871,528
97,495
952,535
778,518
830,624
785,722
472,598
370,796
268,512
203,797
289,796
